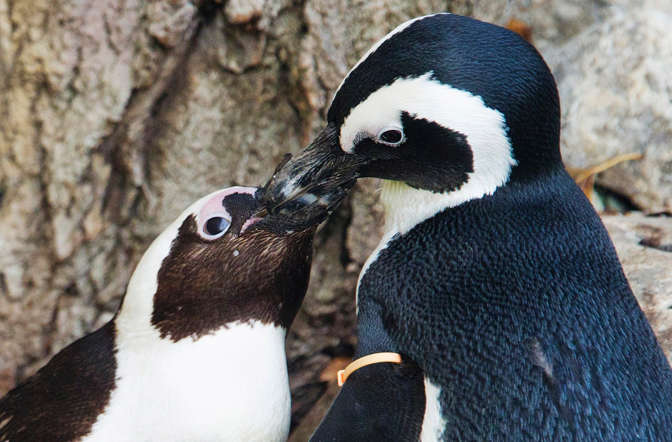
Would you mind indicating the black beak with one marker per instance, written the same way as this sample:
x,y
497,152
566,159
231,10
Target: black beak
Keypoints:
x,y
305,189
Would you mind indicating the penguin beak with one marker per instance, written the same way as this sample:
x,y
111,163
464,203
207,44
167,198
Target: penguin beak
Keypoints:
x,y
308,187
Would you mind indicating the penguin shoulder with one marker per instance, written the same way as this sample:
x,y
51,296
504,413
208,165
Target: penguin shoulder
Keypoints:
x,y
77,381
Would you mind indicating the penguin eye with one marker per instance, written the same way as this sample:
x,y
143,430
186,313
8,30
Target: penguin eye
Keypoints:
x,y
392,136
215,227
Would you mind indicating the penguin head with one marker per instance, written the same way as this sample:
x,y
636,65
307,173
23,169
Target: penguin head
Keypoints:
x,y
444,104
216,265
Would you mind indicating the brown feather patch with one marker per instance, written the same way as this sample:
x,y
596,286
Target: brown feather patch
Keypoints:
x,y
205,285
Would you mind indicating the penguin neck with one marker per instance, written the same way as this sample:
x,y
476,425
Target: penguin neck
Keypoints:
x,y
191,377
133,321
406,206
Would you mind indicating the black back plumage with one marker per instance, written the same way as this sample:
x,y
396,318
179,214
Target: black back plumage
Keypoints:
x,y
62,401
516,306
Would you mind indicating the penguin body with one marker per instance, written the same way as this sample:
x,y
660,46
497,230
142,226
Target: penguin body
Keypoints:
x,y
538,338
495,279
196,351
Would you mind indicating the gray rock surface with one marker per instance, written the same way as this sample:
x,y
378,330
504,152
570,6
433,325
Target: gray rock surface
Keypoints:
x,y
553,22
616,94
644,246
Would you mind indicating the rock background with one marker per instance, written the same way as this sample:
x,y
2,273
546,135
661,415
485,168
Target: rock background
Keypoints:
x,y
117,114
615,86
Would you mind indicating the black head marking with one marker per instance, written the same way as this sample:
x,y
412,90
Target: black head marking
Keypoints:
x,y
480,58
435,158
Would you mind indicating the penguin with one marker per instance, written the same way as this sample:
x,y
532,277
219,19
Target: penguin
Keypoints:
x,y
196,350
495,279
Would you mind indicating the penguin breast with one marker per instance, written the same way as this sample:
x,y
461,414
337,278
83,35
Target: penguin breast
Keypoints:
x,y
230,385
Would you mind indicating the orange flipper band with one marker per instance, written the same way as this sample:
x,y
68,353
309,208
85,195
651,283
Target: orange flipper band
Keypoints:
x,y
373,358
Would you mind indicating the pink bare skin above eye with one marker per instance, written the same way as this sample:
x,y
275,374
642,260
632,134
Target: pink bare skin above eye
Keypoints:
x,y
213,207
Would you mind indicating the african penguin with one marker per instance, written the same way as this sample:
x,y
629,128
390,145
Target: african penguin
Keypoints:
x,y
196,351
495,278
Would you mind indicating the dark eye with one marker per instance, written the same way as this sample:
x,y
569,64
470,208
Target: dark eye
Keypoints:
x,y
391,136
216,226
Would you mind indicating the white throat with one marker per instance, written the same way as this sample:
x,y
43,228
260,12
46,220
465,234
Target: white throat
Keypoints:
x,y
405,206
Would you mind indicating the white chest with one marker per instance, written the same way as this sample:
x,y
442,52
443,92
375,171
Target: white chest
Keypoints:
x,y
229,386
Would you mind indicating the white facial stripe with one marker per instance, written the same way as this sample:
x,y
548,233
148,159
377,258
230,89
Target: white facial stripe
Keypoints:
x,y
136,311
134,317
375,47
455,109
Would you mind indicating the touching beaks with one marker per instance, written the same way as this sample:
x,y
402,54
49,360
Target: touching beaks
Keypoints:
x,y
306,188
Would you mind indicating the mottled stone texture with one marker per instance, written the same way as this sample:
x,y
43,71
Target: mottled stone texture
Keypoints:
x,y
116,115
616,89
644,245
